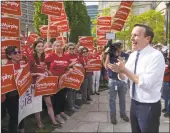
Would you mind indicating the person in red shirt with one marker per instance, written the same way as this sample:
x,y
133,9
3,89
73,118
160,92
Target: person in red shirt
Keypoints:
x,y
58,64
12,98
71,94
86,86
38,68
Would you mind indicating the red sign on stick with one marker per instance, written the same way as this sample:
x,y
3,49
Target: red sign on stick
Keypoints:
x,y
23,80
93,65
71,79
6,43
102,30
126,3
52,8
60,18
62,26
44,30
102,42
46,86
7,79
86,41
32,38
104,21
11,7
117,27
10,27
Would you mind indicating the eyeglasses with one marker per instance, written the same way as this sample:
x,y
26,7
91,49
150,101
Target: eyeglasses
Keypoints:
x,y
15,52
84,51
71,48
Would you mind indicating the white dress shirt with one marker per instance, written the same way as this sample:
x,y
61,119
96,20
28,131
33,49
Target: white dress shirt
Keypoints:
x,y
150,69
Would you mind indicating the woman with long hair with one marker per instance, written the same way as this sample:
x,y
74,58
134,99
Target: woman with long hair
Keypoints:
x,y
38,69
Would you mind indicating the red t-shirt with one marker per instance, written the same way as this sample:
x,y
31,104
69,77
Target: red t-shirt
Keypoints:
x,y
58,65
72,57
36,68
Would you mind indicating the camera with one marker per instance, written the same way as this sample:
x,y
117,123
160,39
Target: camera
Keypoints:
x,y
114,49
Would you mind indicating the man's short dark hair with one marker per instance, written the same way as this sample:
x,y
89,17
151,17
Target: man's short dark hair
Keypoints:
x,y
148,31
9,50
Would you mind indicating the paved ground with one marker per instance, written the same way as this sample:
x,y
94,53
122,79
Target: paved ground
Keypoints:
x,y
95,118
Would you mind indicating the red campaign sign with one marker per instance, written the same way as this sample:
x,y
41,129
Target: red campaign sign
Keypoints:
x,y
44,29
79,69
60,18
119,22
11,7
102,30
101,38
93,65
10,27
6,43
32,38
46,86
104,21
23,80
7,79
52,8
117,27
126,3
62,26
86,41
71,79
102,42
122,13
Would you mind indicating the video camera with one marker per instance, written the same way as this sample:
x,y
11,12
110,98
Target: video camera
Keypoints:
x,y
113,48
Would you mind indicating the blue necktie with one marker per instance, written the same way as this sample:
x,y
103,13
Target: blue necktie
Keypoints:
x,y
133,85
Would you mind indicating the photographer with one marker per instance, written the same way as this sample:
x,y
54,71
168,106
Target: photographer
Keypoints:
x,y
115,85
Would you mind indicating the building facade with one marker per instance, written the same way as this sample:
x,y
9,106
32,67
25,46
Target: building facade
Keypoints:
x,y
92,11
27,16
138,7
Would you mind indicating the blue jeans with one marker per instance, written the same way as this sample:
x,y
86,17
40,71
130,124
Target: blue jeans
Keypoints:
x,y
121,89
166,95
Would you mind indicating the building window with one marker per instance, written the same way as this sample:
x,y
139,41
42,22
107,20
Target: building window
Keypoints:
x,y
24,15
23,6
24,11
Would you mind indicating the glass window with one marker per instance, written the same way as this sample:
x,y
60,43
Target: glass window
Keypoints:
x,y
23,6
24,15
24,11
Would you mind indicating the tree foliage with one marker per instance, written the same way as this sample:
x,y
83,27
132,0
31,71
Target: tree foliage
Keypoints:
x,y
79,21
152,18
39,19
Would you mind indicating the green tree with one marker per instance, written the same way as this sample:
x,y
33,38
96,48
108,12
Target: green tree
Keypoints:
x,y
79,21
152,18
39,19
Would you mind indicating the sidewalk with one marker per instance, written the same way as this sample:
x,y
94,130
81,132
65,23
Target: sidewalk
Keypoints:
x,y
95,118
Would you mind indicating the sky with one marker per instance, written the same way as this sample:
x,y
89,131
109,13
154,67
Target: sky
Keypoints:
x,y
91,2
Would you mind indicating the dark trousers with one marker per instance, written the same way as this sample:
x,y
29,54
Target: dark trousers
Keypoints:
x,y
86,86
12,104
145,117
60,101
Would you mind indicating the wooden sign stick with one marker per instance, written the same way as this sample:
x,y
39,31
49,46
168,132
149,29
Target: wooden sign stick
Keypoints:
x,y
48,31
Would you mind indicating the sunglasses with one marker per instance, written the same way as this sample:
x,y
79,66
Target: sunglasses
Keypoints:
x,y
84,51
71,48
15,52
